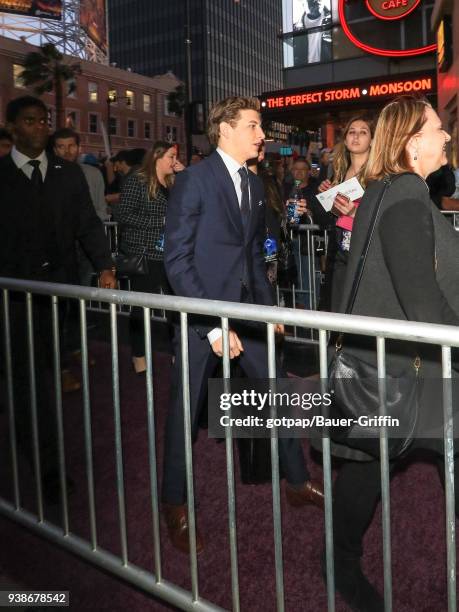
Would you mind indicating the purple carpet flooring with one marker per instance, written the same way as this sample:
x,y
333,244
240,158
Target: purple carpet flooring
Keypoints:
x,y
418,524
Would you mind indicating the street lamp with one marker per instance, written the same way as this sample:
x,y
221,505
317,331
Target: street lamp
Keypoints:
x,y
189,92
111,98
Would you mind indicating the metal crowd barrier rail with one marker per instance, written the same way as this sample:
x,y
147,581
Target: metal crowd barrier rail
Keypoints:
x,y
310,244
454,216
153,582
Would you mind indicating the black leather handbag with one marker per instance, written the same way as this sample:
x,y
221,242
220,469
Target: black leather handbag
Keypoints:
x,y
131,265
254,460
356,390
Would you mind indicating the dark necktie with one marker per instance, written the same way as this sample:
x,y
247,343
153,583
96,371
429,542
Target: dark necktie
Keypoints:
x,y
36,179
245,201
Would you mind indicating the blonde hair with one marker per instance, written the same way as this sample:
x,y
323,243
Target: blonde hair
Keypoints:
x,y
342,157
227,111
147,171
399,121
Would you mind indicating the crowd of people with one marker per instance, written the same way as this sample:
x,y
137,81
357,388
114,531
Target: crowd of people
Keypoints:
x,y
205,232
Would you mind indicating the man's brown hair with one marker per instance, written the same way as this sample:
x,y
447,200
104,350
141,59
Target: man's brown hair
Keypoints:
x,y
227,111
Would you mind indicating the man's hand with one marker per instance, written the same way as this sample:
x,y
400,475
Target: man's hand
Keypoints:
x,y
301,207
279,329
342,205
107,279
235,345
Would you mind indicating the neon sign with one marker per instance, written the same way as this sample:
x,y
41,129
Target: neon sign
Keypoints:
x,y
376,50
391,9
423,84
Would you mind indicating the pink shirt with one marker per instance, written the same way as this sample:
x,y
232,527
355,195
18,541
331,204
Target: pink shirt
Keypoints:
x,y
346,222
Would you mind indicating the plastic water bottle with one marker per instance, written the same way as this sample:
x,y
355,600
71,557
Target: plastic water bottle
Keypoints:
x,y
270,249
292,208
159,244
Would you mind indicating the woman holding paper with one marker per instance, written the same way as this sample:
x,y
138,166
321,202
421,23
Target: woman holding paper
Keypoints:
x,y
349,161
407,275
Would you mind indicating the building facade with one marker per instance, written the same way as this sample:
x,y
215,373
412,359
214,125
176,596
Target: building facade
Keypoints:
x,y
110,107
445,24
338,53
235,45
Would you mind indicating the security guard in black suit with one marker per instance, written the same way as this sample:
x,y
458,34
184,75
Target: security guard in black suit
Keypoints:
x,y
45,209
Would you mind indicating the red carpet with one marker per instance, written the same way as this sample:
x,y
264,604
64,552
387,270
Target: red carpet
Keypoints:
x,y
418,524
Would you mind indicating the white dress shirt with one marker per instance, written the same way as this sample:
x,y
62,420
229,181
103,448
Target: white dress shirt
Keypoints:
x,y
22,162
233,168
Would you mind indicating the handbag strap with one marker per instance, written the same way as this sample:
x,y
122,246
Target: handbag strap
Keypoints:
x,y
388,181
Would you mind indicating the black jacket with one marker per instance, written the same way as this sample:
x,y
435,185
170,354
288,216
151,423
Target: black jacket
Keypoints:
x,y
70,214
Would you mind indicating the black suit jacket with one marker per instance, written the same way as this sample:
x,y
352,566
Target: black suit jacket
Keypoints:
x,y
207,253
70,209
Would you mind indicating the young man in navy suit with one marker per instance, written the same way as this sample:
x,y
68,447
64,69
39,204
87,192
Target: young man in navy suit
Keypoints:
x,y
215,228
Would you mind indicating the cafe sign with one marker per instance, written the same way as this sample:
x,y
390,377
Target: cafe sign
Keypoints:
x,y
386,10
391,9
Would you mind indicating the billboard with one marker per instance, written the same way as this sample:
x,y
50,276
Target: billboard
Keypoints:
x,y
309,22
93,21
48,9
316,31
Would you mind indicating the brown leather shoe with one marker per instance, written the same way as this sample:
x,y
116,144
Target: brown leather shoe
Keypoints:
x,y
70,382
176,518
311,492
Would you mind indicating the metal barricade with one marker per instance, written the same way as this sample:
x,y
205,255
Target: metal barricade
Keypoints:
x,y
112,231
453,216
120,565
310,244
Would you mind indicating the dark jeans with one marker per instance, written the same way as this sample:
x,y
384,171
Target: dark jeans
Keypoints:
x,y
155,282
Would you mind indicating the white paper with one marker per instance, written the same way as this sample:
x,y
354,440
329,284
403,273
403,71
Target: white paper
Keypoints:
x,y
351,188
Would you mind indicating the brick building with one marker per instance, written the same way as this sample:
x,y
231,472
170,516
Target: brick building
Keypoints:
x,y
132,107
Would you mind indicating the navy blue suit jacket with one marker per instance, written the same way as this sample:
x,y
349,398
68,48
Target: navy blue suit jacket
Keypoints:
x,y
206,252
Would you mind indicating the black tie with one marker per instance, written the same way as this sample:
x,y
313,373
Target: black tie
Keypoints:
x,y
245,201
36,178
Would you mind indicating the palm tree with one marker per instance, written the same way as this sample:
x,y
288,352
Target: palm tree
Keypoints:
x,y
47,71
176,100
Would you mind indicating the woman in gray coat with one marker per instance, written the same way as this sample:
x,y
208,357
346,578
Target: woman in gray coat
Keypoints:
x,y
407,276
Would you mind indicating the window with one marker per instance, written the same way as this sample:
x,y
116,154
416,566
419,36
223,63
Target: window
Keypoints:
x,y
167,112
171,134
147,130
146,103
93,123
112,96
131,128
130,99
71,120
17,69
92,92
113,126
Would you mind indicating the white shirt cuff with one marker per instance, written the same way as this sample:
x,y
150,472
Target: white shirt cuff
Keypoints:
x,y
214,334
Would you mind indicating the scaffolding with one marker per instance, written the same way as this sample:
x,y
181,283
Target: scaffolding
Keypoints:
x,y
66,34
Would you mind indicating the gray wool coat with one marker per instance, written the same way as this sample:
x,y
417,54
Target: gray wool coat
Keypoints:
x,y
379,293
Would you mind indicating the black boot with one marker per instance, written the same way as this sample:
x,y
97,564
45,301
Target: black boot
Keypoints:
x,y
353,586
